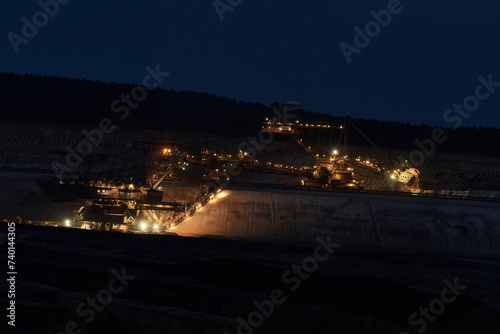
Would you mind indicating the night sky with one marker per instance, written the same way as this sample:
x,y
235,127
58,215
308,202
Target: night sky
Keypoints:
x,y
426,59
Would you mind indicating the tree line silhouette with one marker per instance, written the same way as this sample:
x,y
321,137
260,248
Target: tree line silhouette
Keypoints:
x,y
36,98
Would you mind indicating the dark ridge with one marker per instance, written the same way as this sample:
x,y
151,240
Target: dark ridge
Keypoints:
x,y
35,98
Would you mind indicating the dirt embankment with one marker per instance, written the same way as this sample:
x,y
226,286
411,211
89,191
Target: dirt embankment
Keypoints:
x,y
360,219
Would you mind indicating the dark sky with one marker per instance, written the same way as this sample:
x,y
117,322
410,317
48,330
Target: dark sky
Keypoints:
x,y
427,58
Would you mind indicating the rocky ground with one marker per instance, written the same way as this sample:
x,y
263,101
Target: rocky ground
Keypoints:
x,y
176,285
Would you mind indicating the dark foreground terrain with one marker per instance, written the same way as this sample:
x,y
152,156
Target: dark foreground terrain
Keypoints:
x,y
170,284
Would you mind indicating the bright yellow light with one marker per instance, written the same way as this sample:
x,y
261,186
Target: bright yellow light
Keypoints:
x,y
222,194
67,223
144,226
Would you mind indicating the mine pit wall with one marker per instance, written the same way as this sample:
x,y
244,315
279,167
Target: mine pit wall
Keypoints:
x,y
449,226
